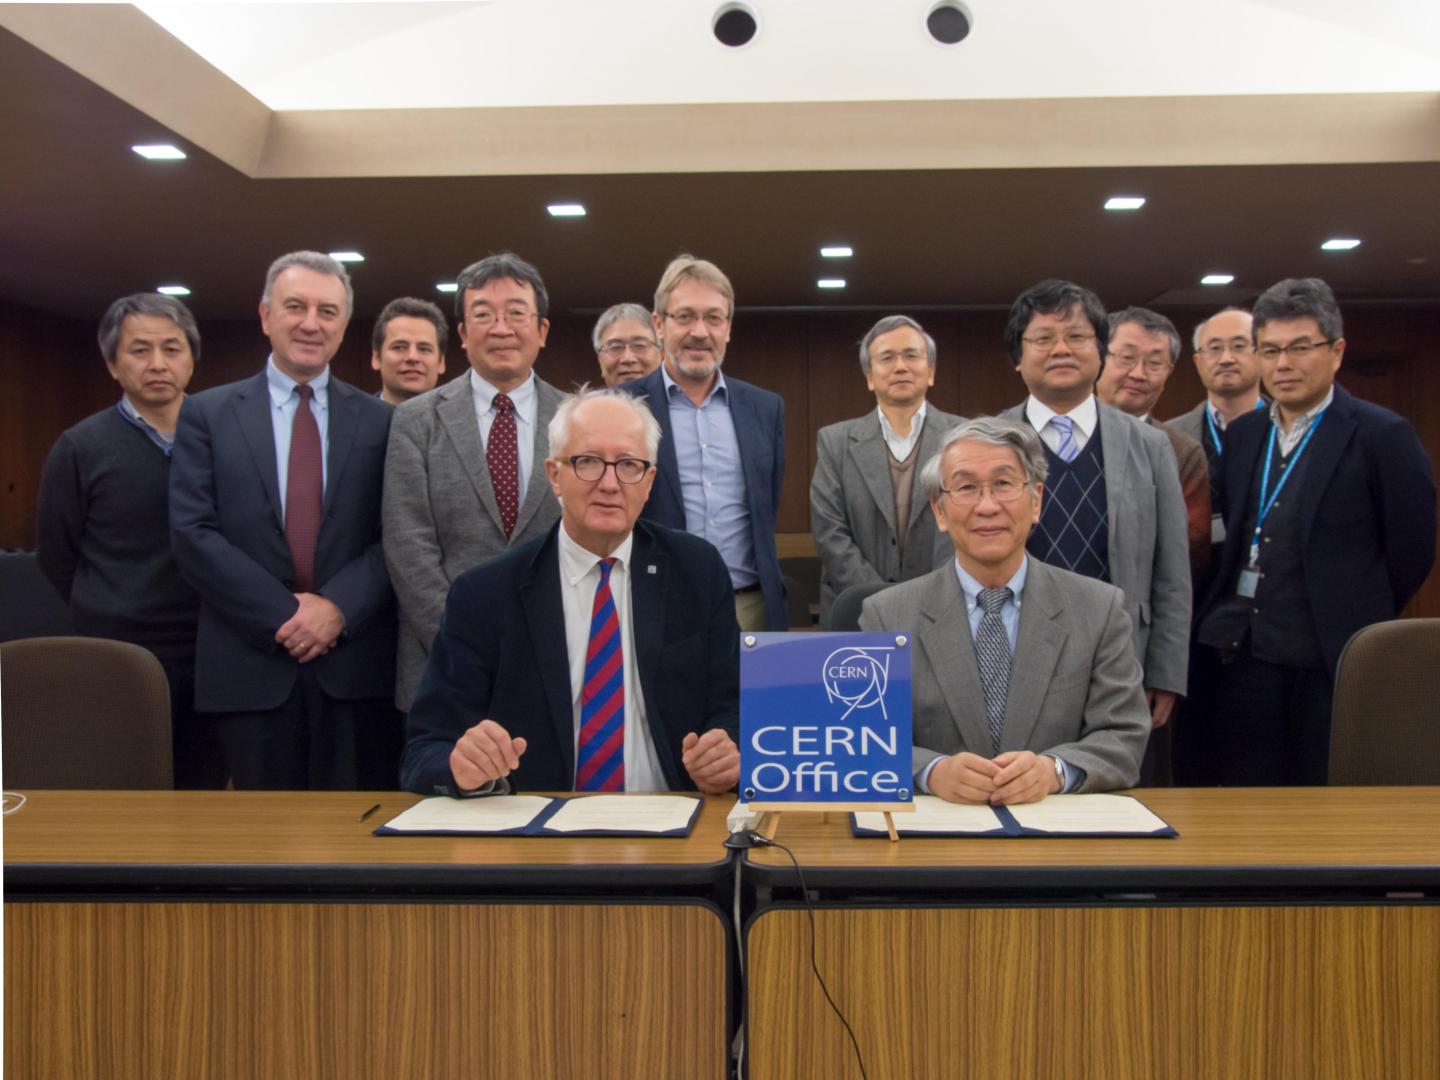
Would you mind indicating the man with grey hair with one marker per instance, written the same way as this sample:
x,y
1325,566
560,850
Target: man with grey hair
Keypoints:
x,y
866,509
601,656
104,529
625,344
464,476
1073,717
1230,372
275,522
1329,506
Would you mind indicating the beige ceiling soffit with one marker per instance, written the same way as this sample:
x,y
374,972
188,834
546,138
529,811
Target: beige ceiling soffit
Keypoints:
x,y
120,49
1054,133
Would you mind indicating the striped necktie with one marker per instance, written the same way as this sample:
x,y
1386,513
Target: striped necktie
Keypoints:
x,y
992,650
1066,427
600,758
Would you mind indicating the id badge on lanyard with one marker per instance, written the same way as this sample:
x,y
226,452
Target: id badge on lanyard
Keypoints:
x,y
1248,583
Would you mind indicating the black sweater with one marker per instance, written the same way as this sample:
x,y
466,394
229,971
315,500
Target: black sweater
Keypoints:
x,y
104,537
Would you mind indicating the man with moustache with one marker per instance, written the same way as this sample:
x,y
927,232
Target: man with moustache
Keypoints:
x,y
275,522
722,458
866,509
1230,372
463,478
407,348
104,517
625,344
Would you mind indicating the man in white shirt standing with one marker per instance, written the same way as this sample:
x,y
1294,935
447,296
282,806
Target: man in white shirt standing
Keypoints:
x,y
867,511
602,656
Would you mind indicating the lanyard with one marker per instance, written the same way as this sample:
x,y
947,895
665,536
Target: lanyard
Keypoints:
x,y
1215,432
1265,504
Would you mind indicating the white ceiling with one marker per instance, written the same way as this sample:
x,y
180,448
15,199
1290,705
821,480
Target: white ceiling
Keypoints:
x,y
425,54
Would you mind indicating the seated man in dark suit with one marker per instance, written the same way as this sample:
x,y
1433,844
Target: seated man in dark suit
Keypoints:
x,y
1074,717
602,656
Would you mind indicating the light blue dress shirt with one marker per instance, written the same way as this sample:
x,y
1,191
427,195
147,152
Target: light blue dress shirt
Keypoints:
x,y
1010,619
712,477
526,401
164,440
283,403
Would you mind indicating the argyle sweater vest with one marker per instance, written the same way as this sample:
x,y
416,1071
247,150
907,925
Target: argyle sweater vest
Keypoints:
x,y
1074,528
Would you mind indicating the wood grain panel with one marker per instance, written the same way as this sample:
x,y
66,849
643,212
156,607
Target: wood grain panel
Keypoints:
x,y
1263,992
363,990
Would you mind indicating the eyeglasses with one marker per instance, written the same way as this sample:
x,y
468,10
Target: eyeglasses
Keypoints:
x,y
1154,364
1216,349
512,316
1047,342
591,467
639,346
889,356
1003,490
1298,351
713,319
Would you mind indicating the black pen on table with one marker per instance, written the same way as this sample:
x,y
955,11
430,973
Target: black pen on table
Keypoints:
x,y
367,813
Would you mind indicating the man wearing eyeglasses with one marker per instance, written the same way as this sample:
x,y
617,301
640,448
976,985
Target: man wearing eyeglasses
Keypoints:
x,y
1329,505
463,475
866,509
1230,372
600,656
722,458
1023,676
1113,507
625,344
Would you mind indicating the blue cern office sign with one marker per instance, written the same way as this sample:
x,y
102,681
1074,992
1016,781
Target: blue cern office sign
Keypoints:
x,y
825,718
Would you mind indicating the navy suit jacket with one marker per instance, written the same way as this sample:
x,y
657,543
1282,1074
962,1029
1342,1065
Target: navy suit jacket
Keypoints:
x,y
759,418
1367,515
501,654
228,534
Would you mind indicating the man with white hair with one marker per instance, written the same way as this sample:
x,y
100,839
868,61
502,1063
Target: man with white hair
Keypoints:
x,y
602,656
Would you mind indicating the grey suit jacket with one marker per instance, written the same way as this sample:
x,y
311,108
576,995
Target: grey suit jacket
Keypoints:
x,y
1191,423
1149,546
440,516
852,506
1074,685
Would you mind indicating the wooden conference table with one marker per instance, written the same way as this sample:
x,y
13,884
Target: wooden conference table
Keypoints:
x,y
1285,933
250,934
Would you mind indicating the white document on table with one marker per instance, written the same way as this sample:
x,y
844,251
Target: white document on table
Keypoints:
x,y
1087,814
934,814
623,814
487,814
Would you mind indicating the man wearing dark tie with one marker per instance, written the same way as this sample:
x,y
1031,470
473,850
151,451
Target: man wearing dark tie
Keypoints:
x,y
1023,677
464,479
275,522
602,656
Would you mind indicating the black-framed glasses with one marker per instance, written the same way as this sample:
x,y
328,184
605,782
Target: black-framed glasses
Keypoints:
x,y
1004,489
591,467
1298,351
1047,342
639,346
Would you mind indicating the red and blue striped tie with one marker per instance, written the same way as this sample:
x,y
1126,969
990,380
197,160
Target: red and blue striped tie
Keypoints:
x,y
600,759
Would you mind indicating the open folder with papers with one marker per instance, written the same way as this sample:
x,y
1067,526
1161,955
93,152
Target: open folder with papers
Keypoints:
x,y
1057,815
542,815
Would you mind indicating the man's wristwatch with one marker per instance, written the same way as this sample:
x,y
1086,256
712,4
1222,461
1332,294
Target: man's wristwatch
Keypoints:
x,y
1059,773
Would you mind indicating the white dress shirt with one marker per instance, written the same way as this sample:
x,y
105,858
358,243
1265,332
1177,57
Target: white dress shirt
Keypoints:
x,y
579,575
900,446
1083,418
525,400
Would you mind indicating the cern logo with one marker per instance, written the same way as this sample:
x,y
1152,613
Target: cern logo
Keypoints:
x,y
857,678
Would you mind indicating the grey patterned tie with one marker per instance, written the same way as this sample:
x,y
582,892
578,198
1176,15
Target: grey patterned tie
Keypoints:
x,y
992,650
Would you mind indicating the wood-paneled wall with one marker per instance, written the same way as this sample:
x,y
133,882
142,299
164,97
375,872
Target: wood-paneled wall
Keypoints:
x,y
54,377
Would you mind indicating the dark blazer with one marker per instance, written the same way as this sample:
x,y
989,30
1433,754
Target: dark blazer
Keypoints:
x,y
759,418
501,654
1367,515
228,533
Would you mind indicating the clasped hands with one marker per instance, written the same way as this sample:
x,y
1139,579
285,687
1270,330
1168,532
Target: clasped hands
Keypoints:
x,y
487,752
1016,776
313,630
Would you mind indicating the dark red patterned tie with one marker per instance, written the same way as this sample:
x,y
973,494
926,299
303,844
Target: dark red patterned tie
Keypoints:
x,y
304,491
503,458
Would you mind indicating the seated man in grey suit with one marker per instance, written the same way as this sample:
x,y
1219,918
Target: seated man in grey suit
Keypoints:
x,y
866,510
1073,717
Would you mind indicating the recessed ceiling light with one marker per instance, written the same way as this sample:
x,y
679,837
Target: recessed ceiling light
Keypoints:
x,y
838,251
1339,243
159,152
173,290
831,283
347,256
566,209
446,286
1217,279
1124,202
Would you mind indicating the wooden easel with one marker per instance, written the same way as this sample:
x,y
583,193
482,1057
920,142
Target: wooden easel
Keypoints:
x,y
770,813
